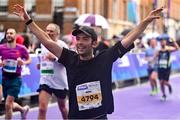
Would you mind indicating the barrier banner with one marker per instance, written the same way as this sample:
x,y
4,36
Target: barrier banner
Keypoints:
x,y
140,64
175,59
123,68
31,77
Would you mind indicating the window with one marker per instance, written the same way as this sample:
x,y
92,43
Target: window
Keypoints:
x,y
3,7
58,4
29,5
115,9
83,6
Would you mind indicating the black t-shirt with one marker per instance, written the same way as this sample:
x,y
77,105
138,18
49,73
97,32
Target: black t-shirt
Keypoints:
x,y
101,46
84,78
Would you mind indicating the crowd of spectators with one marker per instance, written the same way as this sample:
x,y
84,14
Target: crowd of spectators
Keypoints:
x,y
31,42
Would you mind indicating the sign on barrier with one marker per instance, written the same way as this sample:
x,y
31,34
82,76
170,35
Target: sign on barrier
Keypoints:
x,y
123,68
31,77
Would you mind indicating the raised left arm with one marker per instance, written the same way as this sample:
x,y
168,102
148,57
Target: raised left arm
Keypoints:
x,y
134,34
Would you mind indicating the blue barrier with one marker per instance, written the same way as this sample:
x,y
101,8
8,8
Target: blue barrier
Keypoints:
x,y
124,68
175,58
31,77
133,66
129,67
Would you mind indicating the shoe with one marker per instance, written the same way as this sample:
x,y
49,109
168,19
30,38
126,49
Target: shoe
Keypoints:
x,y
24,113
151,93
163,98
154,92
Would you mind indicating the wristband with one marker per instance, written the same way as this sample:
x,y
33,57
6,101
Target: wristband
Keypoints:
x,y
29,22
55,59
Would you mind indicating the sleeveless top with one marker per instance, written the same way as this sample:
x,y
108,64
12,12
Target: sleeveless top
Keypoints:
x,y
164,60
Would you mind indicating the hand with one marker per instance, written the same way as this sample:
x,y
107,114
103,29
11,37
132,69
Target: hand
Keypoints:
x,y
21,12
1,63
172,40
38,66
155,14
20,62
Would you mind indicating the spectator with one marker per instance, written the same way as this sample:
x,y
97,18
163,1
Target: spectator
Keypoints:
x,y
20,39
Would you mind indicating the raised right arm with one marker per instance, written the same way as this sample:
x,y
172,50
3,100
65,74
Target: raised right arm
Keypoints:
x,y
37,31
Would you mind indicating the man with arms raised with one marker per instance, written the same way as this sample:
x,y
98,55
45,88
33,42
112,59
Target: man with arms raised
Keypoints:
x,y
89,76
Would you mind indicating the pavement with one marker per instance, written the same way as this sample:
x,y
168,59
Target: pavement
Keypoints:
x,y
131,103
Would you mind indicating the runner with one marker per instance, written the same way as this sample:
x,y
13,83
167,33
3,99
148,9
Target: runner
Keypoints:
x,y
53,76
152,65
13,56
89,76
164,64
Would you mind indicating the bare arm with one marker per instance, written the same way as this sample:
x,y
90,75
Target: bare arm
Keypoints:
x,y
51,56
148,59
155,56
174,47
28,61
134,34
24,62
38,32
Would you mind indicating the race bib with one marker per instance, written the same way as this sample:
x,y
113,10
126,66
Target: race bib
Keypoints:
x,y
89,95
47,68
163,63
10,66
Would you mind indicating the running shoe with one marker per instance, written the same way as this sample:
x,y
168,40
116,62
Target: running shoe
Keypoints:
x,y
154,92
24,113
163,98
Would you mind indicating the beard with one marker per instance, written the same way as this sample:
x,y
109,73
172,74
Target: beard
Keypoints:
x,y
10,40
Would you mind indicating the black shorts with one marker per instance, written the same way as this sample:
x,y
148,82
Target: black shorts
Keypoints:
x,y
58,93
151,69
163,74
